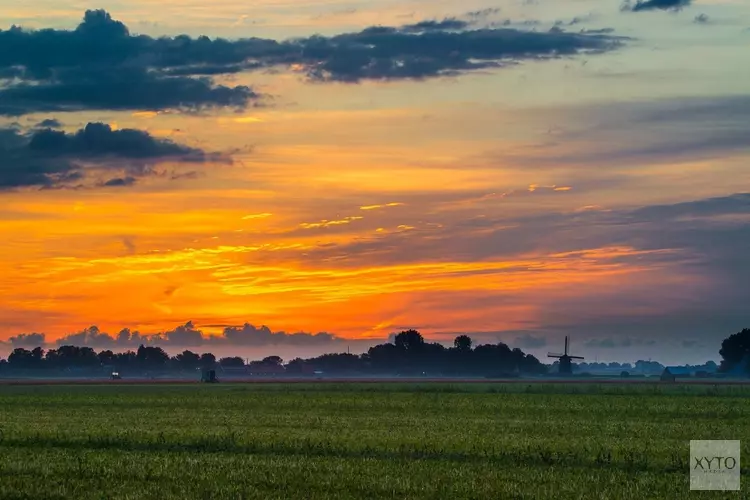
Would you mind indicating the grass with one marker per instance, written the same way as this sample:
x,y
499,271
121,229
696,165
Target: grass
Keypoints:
x,y
361,440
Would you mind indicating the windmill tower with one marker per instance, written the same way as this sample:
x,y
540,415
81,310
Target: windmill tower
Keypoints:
x,y
566,367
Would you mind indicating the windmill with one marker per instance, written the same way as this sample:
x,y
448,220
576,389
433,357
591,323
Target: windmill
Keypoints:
x,y
566,368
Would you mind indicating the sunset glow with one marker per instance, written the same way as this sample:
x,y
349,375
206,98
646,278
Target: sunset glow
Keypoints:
x,y
600,193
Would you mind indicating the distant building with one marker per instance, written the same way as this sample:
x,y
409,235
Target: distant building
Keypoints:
x,y
671,373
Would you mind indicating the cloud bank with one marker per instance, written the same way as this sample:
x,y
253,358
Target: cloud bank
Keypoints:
x,y
187,335
101,65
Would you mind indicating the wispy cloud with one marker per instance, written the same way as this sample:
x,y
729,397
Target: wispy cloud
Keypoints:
x,y
375,207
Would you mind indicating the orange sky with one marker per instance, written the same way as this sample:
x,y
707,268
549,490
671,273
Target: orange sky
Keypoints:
x,y
499,202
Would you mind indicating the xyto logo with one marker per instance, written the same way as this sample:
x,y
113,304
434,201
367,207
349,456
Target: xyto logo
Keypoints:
x,y
715,464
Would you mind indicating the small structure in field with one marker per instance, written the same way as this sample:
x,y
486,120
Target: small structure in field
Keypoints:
x,y
671,373
667,376
209,376
566,365
116,376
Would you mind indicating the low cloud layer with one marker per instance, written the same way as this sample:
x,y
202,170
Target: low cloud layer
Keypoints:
x,y
183,336
28,340
50,158
528,341
617,343
101,65
664,131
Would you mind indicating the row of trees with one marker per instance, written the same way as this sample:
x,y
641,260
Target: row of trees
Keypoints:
x,y
146,358
640,366
409,354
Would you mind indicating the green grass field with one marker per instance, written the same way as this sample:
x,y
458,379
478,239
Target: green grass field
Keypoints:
x,y
362,440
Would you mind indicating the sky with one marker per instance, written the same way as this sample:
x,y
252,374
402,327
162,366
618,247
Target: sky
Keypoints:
x,y
340,170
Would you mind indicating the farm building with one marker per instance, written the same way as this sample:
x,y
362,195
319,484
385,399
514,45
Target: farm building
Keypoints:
x,y
671,373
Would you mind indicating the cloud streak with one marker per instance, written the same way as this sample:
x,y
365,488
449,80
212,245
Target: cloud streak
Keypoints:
x,y
382,53
645,5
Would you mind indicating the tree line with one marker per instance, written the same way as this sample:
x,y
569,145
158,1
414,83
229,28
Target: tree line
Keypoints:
x,y
409,354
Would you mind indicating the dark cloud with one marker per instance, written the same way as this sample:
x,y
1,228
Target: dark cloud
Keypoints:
x,y
602,31
248,335
184,335
482,13
642,5
49,123
119,89
50,158
101,65
119,182
734,204
701,19
444,25
28,340
93,337
386,53
90,336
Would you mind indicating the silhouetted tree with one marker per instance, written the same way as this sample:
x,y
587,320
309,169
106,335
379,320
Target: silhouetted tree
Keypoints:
x,y
188,360
208,360
106,357
341,363
232,362
384,358
125,360
298,366
37,355
151,357
273,360
735,351
462,343
409,340
20,358
72,357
